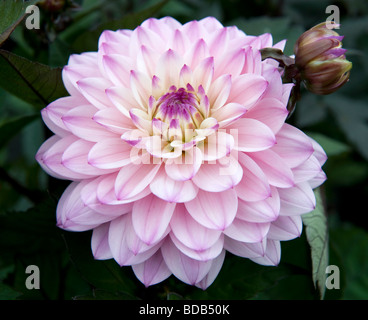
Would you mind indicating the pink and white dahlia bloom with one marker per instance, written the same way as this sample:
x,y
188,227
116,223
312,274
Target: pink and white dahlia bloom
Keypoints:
x,y
174,138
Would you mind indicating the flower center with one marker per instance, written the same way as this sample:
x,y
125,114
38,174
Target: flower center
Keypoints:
x,y
179,107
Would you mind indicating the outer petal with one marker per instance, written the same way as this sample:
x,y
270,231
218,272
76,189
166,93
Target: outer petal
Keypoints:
x,y
126,247
152,271
252,135
244,231
277,172
72,214
244,249
297,200
254,185
184,268
110,153
100,242
285,228
214,210
151,217
190,232
272,255
214,271
293,146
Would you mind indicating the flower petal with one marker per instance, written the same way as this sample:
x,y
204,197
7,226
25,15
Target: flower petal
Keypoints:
x,y
252,135
184,268
220,176
184,167
152,271
249,232
286,228
272,254
100,242
214,210
254,185
244,249
134,178
151,217
214,271
189,232
173,190
297,200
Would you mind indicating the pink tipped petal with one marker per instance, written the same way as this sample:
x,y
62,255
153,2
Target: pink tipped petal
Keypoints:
x,y
75,158
134,178
319,179
229,113
189,232
111,153
152,271
203,73
260,211
53,113
173,190
285,228
269,111
254,185
122,99
249,232
307,170
113,120
201,255
185,167
197,53
220,176
318,152
272,255
125,246
219,91
52,158
297,200
277,172
247,89
93,89
244,249
141,86
100,242
151,217
72,214
168,68
80,122
230,63
293,146
214,210
252,135
184,268
214,271
117,68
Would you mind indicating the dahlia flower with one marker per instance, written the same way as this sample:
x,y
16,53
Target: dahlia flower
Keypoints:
x,y
174,138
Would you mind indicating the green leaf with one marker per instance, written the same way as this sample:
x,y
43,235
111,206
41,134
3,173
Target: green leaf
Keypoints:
x,y
316,231
10,128
351,245
12,13
352,117
7,293
33,82
88,41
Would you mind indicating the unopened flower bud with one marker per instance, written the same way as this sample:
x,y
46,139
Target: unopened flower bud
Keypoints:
x,y
52,5
321,60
